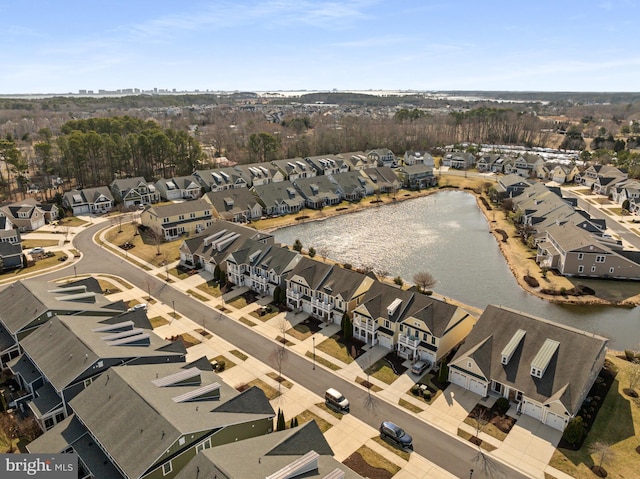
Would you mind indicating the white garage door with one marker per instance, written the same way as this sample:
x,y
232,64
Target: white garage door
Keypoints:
x,y
458,378
384,341
555,421
477,387
533,410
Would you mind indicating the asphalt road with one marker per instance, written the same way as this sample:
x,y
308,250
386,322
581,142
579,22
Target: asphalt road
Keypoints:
x,y
440,448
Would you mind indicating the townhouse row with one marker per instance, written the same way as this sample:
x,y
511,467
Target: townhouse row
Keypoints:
x,y
101,384
547,375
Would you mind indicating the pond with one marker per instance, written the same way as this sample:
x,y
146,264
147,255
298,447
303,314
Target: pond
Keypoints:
x,y
447,235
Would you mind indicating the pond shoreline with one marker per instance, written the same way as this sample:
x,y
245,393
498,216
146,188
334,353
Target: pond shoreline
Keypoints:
x,y
519,265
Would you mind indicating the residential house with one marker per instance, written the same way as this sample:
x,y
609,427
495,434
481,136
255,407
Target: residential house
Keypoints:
x,y
259,266
8,234
458,160
562,174
416,177
574,252
531,362
325,291
221,179
384,179
169,222
353,186
51,211
383,157
237,205
134,191
593,173
318,191
358,160
257,174
490,162
418,158
211,247
295,168
279,199
413,324
11,256
626,190
526,165
25,215
160,417
328,165
28,304
179,188
299,452
62,358
510,186
89,201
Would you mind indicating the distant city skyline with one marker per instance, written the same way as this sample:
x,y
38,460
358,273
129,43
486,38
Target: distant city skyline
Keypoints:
x,y
292,45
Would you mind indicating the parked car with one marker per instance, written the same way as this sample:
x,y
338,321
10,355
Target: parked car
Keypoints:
x,y
419,367
396,435
138,306
37,250
335,400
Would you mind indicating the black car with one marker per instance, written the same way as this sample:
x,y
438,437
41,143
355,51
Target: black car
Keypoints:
x,y
395,434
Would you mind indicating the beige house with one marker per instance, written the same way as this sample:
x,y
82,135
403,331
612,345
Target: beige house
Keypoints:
x,y
169,222
530,361
415,325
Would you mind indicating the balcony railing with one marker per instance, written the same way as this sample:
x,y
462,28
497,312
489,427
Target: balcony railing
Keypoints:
x,y
409,341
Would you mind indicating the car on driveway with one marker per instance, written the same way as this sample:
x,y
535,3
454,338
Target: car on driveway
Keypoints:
x,y
395,434
138,306
37,250
419,367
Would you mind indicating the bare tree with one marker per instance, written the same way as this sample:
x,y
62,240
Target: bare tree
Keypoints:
x,y
424,280
323,251
480,419
280,354
603,455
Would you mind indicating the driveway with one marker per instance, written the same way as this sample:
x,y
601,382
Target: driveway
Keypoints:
x,y
451,408
530,444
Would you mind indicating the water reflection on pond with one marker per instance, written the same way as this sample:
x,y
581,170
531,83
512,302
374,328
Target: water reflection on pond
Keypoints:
x,y
447,235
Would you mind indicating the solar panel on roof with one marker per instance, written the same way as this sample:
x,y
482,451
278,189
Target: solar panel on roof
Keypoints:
x,y
205,392
179,377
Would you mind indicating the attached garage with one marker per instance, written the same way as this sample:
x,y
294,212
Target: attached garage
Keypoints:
x,y
384,341
458,378
533,410
556,421
477,386
472,384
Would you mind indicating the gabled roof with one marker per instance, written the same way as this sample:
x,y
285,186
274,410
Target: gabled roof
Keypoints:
x,y
183,208
233,201
562,380
275,194
263,456
68,347
145,421
26,300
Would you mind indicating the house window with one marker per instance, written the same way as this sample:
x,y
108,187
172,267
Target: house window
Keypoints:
x,y
600,259
433,340
580,269
181,441
165,220
580,255
180,217
425,336
593,269
469,364
192,215
611,270
387,324
167,468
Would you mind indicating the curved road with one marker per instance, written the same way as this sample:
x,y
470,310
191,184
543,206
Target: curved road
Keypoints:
x,y
440,448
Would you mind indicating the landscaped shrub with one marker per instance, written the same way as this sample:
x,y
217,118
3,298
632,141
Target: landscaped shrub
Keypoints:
x,y
347,266
629,355
574,432
443,374
415,389
221,366
427,395
502,404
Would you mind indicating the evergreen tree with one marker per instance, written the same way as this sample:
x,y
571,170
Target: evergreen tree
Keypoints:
x,y
346,326
280,423
297,245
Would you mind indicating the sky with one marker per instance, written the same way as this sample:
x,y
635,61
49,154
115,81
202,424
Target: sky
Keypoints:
x,y
62,46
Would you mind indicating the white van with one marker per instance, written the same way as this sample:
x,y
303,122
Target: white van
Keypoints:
x,y
334,399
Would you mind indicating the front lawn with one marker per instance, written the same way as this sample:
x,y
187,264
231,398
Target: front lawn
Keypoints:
x,y
617,424
212,288
382,370
336,348
368,463
306,416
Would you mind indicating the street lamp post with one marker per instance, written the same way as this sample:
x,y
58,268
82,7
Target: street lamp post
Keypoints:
x,y
173,303
313,338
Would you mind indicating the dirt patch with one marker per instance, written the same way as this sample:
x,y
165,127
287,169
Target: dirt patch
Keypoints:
x,y
493,416
356,462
